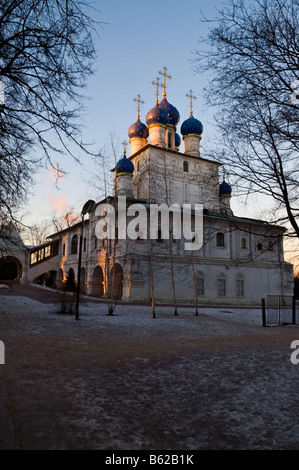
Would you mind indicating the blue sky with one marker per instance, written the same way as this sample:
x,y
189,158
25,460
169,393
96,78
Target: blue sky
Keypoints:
x,y
136,40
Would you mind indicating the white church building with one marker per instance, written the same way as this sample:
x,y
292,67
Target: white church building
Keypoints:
x,y
241,260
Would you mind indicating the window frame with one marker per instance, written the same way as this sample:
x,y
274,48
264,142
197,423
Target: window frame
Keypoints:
x,y
221,292
240,291
220,240
74,244
243,243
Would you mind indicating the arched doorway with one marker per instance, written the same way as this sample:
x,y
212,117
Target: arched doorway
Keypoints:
x,y
97,281
116,282
11,269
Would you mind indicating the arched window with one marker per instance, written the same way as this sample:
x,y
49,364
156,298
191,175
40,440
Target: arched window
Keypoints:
x,y
220,239
259,246
159,236
243,243
186,166
74,245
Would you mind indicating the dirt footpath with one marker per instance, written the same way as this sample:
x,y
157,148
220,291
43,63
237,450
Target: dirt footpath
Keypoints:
x,y
104,384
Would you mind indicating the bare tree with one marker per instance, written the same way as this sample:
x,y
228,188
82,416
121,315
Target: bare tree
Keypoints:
x,y
46,55
37,233
171,239
252,56
66,220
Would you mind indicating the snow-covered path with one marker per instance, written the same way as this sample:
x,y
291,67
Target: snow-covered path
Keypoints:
x,y
216,381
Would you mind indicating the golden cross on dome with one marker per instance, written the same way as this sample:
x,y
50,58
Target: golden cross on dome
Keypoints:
x,y
124,143
139,101
192,97
157,84
164,74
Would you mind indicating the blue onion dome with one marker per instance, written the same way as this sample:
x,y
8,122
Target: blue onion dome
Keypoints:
x,y
177,140
173,114
157,115
124,166
191,126
225,189
138,129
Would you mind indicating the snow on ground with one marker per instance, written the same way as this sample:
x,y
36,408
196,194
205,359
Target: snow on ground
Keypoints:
x,y
137,320
128,381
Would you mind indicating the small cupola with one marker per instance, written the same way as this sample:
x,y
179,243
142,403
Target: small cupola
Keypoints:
x,y
124,170
225,192
191,130
137,132
157,120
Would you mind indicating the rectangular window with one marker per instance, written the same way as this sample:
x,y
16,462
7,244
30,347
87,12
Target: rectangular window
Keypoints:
x,y
47,251
240,288
200,286
220,239
40,255
221,287
33,258
63,250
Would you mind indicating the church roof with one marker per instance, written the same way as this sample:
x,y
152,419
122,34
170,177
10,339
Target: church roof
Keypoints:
x,y
185,155
10,238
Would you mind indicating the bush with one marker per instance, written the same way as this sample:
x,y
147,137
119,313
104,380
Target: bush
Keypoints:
x,y
66,302
70,282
